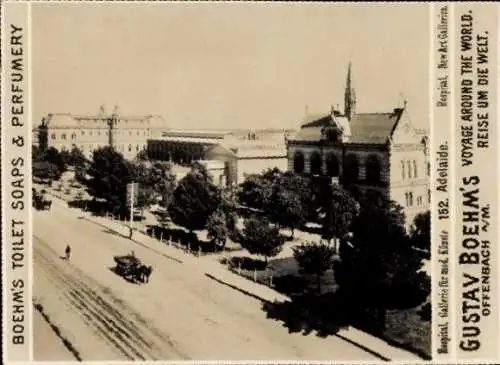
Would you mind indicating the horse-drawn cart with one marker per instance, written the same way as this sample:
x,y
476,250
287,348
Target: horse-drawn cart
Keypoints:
x,y
130,267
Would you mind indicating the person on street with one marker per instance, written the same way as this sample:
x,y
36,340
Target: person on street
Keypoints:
x,y
68,252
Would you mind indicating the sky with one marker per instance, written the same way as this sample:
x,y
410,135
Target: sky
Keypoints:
x,y
228,65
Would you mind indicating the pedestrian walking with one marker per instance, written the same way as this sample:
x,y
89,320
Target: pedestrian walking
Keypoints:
x,y
68,252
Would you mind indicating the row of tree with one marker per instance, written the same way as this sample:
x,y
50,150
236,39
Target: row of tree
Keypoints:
x,y
373,256
49,164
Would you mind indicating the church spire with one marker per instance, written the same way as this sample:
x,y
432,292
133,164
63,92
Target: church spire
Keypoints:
x,y
349,96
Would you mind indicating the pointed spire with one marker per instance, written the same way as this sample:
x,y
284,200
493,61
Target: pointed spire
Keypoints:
x,y
349,96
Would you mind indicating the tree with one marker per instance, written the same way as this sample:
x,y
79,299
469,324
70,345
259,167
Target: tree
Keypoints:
x,y
253,192
314,259
109,175
340,210
53,156
378,268
287,203
217,230
45,170
260,238
194,199
156,182
421,231
76,158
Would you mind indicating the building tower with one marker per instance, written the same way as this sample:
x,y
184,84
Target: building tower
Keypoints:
x,y
349,96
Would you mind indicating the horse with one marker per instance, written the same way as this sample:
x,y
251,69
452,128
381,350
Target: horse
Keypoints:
x,y
146,273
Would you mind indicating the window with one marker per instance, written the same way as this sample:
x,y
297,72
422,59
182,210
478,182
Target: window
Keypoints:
x,y
429,195
83,133
53,136
98,133
129,147
63,136
73,136
316,162
373,169
403,170
409,199
409,169
419,200
137,132
90,133
137,147
415,171
298,162
428,169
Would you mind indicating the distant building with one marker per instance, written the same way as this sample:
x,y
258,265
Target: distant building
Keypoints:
x,y
243,159
366,151
127,134
242,153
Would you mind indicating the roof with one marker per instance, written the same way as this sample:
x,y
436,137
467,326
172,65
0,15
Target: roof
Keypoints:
x,y
364,127
196,133
68,120
374,127
193,140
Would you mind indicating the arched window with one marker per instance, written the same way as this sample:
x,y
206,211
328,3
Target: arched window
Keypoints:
x,y
409,199
351,168
332,165
372,169
63,136
53,136
409,169
415,171
83,133
316,163
137,147
298,162
137,132
73,135
403,170
129,147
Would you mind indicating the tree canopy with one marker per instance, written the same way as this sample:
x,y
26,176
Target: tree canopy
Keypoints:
x,y
260,238
314,259
378,268
194,199
340,210
47,163
109,175
281,196
217,230
421,232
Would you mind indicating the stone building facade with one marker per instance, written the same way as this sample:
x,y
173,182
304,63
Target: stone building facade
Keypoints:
x,y
366,151
127,134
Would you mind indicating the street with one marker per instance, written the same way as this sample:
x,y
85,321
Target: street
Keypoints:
x,y
180,315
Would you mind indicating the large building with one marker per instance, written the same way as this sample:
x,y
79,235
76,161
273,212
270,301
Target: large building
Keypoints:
x,y
127,134
242,152
361,151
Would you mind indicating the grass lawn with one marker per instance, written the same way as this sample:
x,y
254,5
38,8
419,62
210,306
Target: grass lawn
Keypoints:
x,y
407,329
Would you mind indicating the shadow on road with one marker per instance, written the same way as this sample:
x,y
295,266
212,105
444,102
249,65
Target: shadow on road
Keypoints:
x,y
323,314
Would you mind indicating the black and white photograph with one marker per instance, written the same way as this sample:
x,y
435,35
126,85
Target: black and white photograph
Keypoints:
x,y
231,181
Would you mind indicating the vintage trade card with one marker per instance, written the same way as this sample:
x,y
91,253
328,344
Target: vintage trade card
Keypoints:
x,y
249,182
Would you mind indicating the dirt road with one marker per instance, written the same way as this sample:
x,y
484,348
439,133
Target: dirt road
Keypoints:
x,y
180,315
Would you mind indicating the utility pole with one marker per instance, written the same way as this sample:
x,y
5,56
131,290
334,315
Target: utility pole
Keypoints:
x,y
131,191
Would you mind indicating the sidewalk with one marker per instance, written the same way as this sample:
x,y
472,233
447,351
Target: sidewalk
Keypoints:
x,y
218,272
